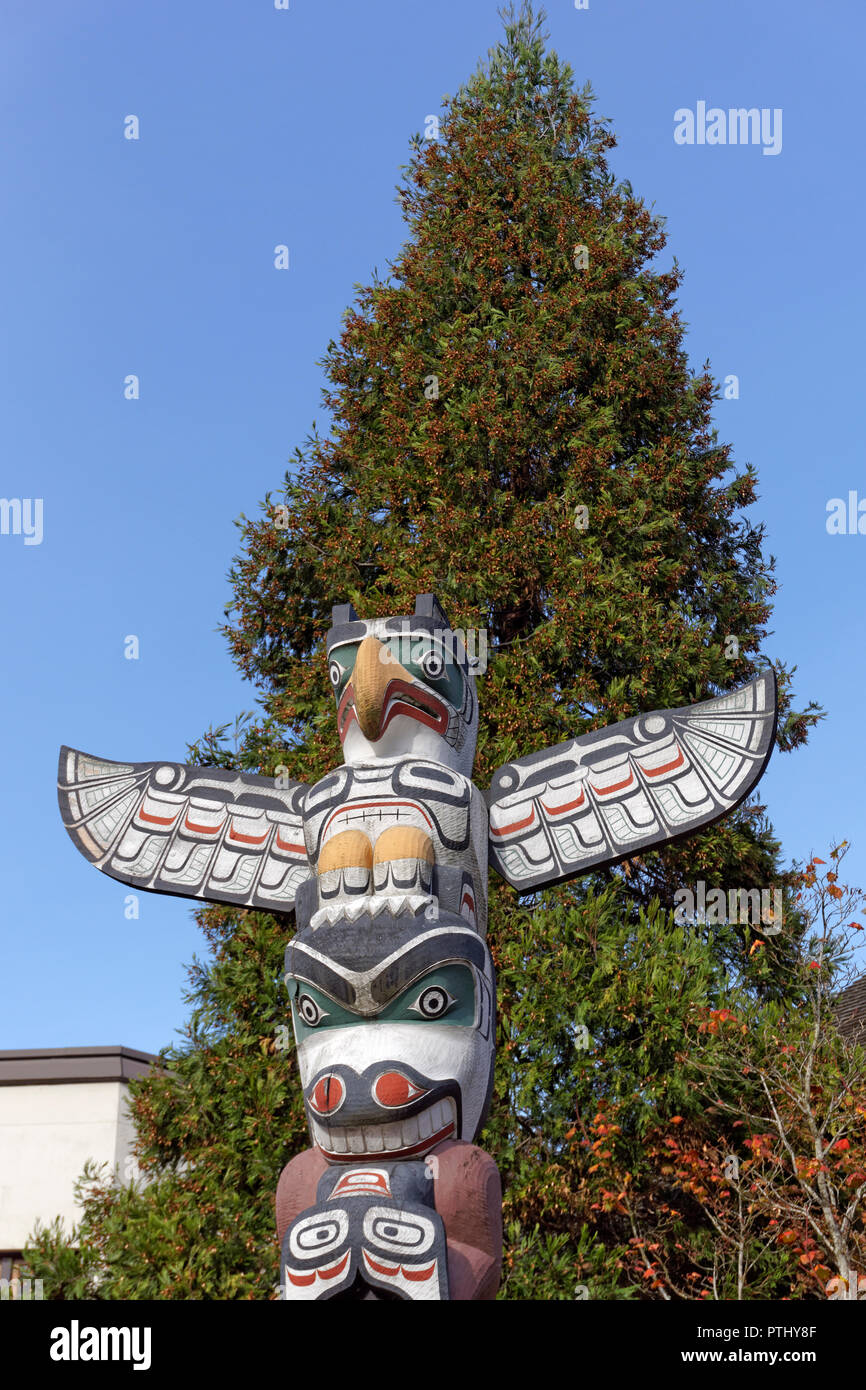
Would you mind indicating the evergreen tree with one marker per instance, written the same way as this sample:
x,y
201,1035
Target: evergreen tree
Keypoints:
x,y
514,427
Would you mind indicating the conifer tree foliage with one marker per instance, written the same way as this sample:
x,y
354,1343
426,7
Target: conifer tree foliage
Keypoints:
x,y
513,425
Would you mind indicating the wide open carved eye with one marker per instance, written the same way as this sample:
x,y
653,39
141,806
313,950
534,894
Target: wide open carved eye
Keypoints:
x,y
319,1234
432,665
433,1002
310,1011
398,1232
327,1095
392,1089
335,672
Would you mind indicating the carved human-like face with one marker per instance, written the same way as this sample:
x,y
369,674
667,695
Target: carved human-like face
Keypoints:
x,y
403,686
397,1056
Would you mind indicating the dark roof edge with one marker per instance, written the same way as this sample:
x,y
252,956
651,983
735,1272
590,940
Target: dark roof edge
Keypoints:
x,y
44,1065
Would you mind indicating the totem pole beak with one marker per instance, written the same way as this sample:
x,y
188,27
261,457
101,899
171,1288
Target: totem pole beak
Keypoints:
x,y
375,668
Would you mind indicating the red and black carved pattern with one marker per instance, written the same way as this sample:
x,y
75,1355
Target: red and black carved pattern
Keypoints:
x,y
621,790
373,1232
400,698
439,797
193,832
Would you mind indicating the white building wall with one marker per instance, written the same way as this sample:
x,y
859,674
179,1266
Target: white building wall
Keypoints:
x,y
47,1133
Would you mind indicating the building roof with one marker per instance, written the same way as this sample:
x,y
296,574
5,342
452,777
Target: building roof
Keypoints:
x,y
44,1065
851,1010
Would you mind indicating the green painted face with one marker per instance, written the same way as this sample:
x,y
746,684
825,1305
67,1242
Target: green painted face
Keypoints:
x,y
423,656
444,995
341,664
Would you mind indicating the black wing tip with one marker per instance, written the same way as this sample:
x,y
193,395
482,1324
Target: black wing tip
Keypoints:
x,y
768,673
63,785
63,759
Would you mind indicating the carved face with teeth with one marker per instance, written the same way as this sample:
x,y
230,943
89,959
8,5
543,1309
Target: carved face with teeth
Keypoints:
x,y
394,1027
403,686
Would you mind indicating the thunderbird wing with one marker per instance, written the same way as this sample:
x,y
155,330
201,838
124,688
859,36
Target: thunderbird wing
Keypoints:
x,y
196,832
635,785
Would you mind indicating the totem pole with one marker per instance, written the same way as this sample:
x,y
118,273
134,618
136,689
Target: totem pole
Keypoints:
x,y
390,981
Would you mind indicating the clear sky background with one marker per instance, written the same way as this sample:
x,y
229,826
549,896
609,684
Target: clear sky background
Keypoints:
x,y
155,257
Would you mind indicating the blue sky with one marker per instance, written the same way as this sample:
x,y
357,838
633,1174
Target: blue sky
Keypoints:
x,y
155,257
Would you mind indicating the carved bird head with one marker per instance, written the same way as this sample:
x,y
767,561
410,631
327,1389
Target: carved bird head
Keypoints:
x,y
403,686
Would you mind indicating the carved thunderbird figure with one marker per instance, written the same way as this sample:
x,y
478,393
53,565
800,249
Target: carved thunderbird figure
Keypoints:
x,y
384,862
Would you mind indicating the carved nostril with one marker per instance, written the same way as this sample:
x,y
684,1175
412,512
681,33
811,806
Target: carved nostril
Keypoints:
x,y
393,1089
327,1095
